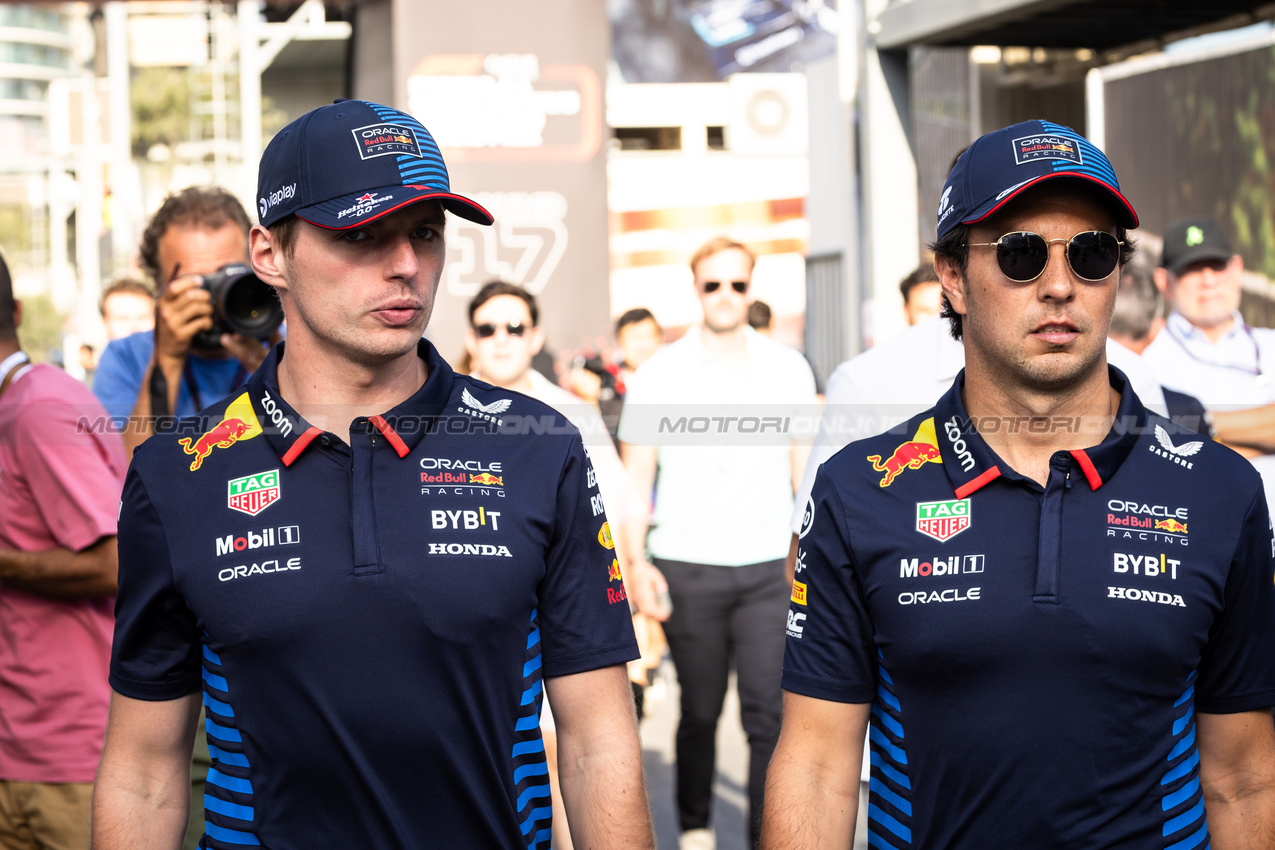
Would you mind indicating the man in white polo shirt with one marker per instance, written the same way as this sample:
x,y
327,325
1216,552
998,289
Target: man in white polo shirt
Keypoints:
x,y
1207,349
708,411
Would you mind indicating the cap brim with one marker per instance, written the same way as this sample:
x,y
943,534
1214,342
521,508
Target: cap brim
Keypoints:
x,y
1128,217
1195,255
358,208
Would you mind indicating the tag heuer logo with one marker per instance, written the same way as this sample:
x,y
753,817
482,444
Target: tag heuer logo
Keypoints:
x,y
252,494
943,520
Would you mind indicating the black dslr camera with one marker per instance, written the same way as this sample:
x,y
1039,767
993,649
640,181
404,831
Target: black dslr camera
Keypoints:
x,y
241,303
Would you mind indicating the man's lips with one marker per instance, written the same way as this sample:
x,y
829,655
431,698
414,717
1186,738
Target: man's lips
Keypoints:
x,y
397,312
1056,333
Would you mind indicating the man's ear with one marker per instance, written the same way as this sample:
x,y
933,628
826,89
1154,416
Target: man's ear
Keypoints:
x,y
267,258
17,314
1161,277
951,282
1236,263
537,340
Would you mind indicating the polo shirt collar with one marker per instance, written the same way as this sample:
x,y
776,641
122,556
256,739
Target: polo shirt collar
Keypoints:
x,y
1181,327
289,433
971,464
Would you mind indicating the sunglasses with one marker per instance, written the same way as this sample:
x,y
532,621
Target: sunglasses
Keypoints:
x,y
1022,256
711,286
488,329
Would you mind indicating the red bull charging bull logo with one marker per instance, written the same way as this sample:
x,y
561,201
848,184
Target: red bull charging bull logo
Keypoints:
x,y
238,423
488,479
923,448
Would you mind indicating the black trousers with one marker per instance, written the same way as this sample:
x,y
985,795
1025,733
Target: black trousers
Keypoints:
x,y
725,615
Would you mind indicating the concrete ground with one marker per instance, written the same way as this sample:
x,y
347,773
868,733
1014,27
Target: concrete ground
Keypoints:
x,y
730,791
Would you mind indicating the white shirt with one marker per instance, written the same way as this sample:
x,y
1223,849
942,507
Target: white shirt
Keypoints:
x,y
892,382
724,430
1235,373
618,496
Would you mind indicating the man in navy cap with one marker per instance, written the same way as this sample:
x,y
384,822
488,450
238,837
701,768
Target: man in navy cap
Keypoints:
x,y
1051,610
362,565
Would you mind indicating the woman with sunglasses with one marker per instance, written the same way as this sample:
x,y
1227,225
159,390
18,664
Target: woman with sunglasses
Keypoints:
x,y
1055,608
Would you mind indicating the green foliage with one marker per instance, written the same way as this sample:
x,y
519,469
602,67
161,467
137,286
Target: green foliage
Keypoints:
x,y
161,108
41,330
1253,204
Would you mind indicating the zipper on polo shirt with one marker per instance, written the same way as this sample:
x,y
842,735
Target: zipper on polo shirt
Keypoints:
x,y
367,553
1049,547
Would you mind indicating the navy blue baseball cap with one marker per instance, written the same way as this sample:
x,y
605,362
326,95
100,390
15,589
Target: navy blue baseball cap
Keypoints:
x,y
351,162
1003,164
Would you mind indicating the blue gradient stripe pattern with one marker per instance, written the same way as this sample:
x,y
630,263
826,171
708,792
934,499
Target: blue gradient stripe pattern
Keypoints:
x,y
1093,161
890,788
530,768
229,813
1185,824
428,167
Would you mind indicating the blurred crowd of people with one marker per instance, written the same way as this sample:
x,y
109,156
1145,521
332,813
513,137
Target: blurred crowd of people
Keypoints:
x,y
706,535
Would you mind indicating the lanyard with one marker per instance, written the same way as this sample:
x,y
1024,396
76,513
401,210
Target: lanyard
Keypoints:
x,y
1255,371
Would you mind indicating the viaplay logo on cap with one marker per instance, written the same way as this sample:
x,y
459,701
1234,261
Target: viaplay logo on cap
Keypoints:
x,y
1046,146
386,139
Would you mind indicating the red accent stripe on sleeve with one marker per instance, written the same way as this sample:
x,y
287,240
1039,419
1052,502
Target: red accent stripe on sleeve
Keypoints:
x,y
298,446
390,434
1086,465
970,486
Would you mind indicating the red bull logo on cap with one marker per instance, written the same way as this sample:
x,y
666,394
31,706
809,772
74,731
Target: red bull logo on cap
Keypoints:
x,y
923,448
238,423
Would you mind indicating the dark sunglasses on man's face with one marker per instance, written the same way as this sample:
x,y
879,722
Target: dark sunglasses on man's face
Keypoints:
x,y
488,329
1023,256
711,286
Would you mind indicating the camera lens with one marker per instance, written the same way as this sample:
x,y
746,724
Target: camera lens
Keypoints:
x,y
246,304
251,307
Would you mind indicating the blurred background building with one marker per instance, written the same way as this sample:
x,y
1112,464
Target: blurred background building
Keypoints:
x,y
611,139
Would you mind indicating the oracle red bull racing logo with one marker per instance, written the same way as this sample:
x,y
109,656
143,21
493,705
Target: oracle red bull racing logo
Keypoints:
x,y
238,423
923,448
1131,520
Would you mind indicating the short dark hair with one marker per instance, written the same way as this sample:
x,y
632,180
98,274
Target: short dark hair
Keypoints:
x,y
759,315
954,247
495,289
8,330
633,317
923,273
125,286
284,234
201,206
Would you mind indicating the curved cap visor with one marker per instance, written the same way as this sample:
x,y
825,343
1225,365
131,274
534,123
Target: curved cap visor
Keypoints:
x,y
1125,212
358,208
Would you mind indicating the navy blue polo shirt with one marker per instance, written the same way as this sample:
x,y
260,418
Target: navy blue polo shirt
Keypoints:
x,y
1035,656
369,615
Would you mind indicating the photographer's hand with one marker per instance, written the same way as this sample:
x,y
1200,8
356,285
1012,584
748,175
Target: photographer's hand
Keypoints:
x,y
250,352
184,310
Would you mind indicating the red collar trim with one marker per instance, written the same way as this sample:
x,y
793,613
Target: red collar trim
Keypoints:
x,y
1086,466
390,434
977,483
298,446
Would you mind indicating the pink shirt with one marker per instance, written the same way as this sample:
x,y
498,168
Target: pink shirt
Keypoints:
x,y
59,486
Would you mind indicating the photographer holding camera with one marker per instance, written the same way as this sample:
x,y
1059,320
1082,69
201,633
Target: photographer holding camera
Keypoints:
x,y
213,318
